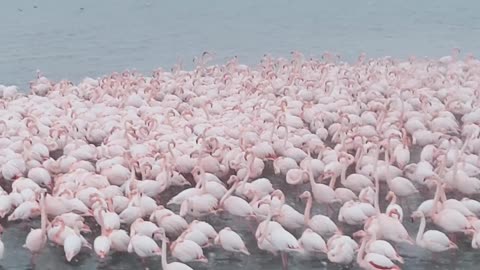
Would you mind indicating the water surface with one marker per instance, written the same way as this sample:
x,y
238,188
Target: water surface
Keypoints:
x,y
74,39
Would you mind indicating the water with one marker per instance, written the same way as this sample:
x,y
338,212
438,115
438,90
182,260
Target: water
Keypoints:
x,y
416,258
74,39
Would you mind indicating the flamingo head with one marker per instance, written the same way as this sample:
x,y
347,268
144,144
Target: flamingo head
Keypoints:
x,y
185,206
305,195
102,254
359,234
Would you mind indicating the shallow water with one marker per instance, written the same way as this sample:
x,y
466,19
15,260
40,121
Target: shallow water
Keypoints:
x,y
415,258
74,39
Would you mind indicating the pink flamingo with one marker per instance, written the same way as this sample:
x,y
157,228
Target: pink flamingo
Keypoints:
x,y
37,239
173,265
373,261
432,240
231,241
320,224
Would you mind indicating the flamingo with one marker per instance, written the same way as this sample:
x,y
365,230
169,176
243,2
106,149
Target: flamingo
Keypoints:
x,y
143,246
381,247
432,240
116,148
393,209
312,242
37,239
187,250
272,236
231,241
173,265
373,261
320,224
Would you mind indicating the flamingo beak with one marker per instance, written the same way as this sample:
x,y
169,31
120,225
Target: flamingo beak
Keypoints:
x,y
102,254
86,228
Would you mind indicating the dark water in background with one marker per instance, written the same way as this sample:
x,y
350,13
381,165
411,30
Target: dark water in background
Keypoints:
x,y
74,39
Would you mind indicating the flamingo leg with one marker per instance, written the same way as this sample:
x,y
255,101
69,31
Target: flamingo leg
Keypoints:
x,y
284,260
453,236
251,227
32,260
144,263
330,210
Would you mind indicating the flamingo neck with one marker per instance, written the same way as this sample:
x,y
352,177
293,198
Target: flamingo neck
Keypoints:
x,y
203,181
387,163
421,229
310,175
443,195
436,198
361,252
308,209
393,198
271,134
377,184
333,180
228,193
358,158
164,253
402,112
170,149
255,199
43,215
265,230
343,175
455,163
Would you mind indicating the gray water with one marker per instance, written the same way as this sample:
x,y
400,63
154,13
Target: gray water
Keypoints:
x,y
75,39
416,258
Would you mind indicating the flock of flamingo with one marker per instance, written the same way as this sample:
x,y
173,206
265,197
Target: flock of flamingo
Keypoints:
x,y
103,157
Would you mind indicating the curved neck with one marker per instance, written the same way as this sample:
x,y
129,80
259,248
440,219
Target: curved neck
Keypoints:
x,y
308,209
421,230
393,198
361,251
170,149
228,193
255,199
